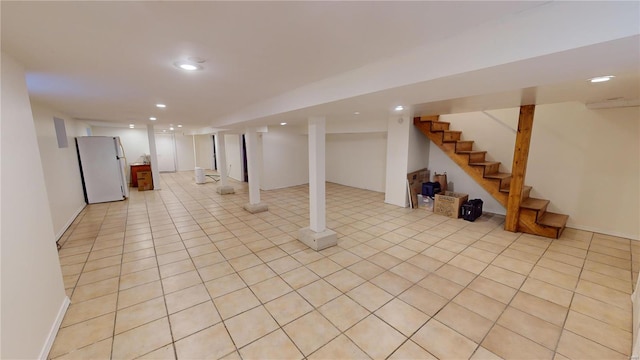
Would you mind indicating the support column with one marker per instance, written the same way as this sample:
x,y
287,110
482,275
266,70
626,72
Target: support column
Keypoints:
x,y
221,158
153,154
317,236
519,167
254,205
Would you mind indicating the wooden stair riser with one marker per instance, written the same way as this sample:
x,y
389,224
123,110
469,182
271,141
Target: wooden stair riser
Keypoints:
x,y
491,169
439,126
464,145
427,118
451,136
527,224
477,156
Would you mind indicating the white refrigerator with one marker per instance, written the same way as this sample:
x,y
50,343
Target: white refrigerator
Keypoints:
x,y
102,168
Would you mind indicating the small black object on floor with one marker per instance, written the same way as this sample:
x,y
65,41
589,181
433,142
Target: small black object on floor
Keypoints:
x,y
471,210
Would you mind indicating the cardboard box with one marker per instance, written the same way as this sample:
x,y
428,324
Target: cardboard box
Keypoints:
x,y
415,180
145,181
449,203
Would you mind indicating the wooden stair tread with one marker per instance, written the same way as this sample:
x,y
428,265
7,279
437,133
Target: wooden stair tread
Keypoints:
x,y
553,220
534,204
470,152
485,163
498,175
524,189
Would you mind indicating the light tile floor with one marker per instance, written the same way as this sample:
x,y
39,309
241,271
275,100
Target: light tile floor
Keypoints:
x,y
186,273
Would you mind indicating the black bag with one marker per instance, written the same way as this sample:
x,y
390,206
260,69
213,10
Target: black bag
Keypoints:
x,y
430,188
471,210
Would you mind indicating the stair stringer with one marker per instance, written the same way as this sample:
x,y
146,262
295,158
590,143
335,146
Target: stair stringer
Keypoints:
x,y
492,186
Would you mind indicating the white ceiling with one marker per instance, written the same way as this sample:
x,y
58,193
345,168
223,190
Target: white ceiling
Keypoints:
x,y
112,61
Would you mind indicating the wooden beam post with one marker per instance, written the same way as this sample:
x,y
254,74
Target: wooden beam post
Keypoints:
x,y
519,167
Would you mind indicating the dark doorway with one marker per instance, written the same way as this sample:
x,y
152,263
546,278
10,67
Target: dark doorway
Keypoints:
x,y
215,158
244,159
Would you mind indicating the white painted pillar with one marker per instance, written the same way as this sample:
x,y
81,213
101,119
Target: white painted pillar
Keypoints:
x,y
153,154
317,236
253,169
221,159
398,130
317,192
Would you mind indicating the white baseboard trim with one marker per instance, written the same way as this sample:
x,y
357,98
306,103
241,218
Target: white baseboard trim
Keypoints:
x,y
54,329
71,219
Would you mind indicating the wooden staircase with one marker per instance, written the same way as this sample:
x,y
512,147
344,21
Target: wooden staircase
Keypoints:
x,y
533,215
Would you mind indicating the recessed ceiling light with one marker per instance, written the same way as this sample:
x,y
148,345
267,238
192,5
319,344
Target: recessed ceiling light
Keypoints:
x,y
356,113
131,126
153,118
162,106
188,65
399,108
164,130
171,128
283,123
179,125
598,79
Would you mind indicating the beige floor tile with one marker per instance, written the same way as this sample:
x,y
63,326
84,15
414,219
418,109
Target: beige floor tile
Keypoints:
x,y
215,271
343,312
98,275
324,267
410,350
138,278
319,292
531,327
176,268
344,280
600,332
345,258
604,294
384,260
456,274
443,342
172,257
608,281
186,298
484,354
515,265
554,277
557,258
256,274
139,294
181,281
480,304
270,289
94,290
208,259
425,263
98,351
608,270
142,340
234,303
245,262
441,286
310,332
85,310
284,264
299,277
547,291
82,334
193,319
211,343
102,263
369,296
409,272
509,345
576,347
541,308
164,353
477,253
339,348
134,316
270,254
464,321
138,265
224,285
599,310
375,337
521,255
250,325
276,345
403,317
288,308
424,300
503,276
366,270
391,283
469,264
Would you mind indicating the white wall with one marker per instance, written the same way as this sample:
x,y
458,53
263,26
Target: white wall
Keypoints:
x,y
60,166
184,152
33,297
285,157
233,146
357,159
587,162
418,155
